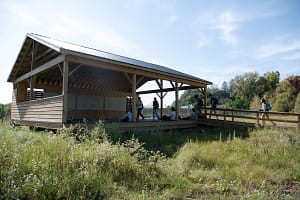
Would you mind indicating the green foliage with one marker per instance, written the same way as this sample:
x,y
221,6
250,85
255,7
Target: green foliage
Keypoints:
x,y
82,132
5,108
209,163
297,104
287,92
240,103
255,103
243,89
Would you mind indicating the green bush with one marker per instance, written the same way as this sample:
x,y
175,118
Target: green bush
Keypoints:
x,y
297,104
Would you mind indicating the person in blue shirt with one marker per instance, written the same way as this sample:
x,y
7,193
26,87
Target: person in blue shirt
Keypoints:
x,y
128,117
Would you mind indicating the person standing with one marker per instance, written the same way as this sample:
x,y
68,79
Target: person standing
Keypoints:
x,y
198,106
155,106
140,107
265,108
214,103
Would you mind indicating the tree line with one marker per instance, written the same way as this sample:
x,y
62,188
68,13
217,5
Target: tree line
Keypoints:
x,y
245,91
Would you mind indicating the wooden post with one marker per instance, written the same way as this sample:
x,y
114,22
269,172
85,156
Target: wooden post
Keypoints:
x,y
65,90
257,119
134,98
161,98
232,117
299,122
205,100
32,86
159,83
176,101
2,112
224,114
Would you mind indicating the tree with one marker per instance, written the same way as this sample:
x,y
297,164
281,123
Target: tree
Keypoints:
x,y
272,79
286,93
225,86
243,89
255,103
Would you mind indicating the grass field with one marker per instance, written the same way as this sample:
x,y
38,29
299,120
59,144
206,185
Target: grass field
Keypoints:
x,y
204,163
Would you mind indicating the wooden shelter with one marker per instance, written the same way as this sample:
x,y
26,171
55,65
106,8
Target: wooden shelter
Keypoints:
x,y
55,82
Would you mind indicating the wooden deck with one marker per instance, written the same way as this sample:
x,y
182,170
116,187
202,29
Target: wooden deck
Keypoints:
x,y
153,125
223,118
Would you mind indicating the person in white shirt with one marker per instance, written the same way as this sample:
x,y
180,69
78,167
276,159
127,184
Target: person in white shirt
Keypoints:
x,y
140,107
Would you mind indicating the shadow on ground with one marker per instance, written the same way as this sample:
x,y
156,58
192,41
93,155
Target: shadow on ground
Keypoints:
x,y
169,141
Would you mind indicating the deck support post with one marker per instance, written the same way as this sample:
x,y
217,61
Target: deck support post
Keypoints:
x,y
176,100
65,90
257,119
298,122
134,98
161,95
161,98
205,100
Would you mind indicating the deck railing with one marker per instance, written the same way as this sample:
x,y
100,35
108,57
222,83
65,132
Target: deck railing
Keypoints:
x,y
284,119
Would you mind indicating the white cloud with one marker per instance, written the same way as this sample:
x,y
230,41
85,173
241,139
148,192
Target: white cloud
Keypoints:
x,y
227,24
295,56
22,14
172,19
96,35
275,48
67,25
202,41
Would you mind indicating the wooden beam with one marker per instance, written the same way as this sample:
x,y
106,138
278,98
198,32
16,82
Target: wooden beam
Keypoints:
x,y
41,68
171,82
74,70
43,54
167,90
127,77
27,49
140,79
159,83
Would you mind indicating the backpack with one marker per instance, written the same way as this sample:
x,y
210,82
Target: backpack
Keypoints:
x,y
268,106
215,101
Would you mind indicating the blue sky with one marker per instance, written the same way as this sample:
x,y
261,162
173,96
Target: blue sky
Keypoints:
x,y
214,40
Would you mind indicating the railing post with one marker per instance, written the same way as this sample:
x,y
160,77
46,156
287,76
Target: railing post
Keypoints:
x,y
224,114
232,117
299,122
257,119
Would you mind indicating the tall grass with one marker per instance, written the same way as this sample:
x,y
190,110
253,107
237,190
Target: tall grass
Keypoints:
x,y
90,163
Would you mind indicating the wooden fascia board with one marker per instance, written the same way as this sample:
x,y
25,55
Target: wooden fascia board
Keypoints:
x,y
26,49
167,90
124,67
41,68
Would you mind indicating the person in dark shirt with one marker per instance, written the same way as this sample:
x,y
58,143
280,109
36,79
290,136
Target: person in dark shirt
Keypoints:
x,y
214,103
155,106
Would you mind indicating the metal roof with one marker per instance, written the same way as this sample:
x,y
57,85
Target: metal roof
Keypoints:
x,y
69,48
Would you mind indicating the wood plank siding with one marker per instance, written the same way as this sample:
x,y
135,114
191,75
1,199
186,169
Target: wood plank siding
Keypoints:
x,y
47,110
